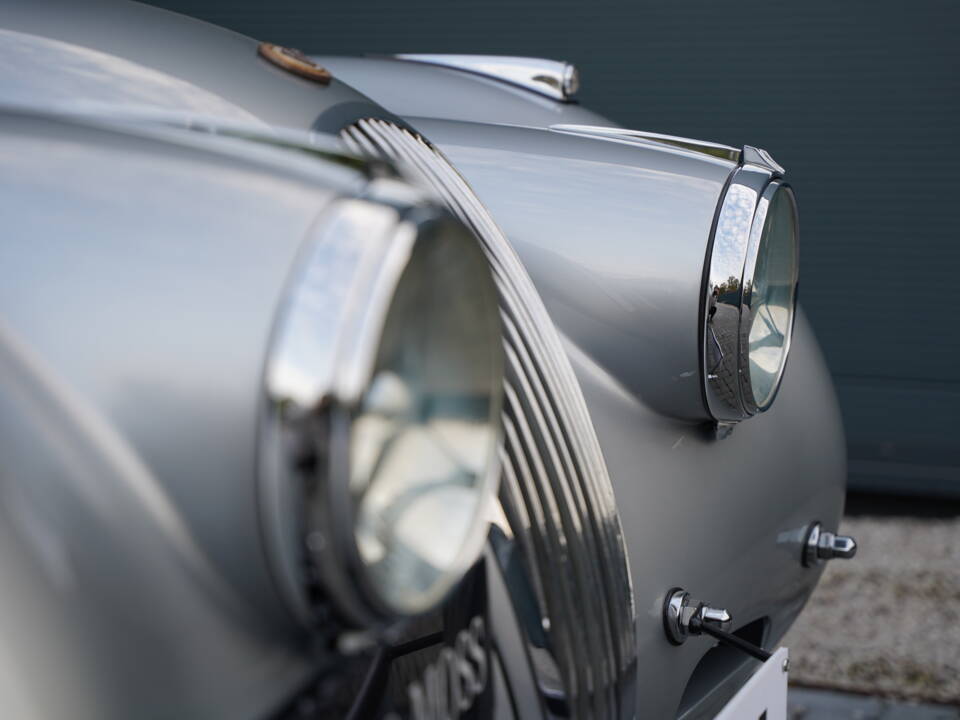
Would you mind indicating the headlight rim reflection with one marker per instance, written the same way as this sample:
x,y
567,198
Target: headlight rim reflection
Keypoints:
x,y
322,358
739,231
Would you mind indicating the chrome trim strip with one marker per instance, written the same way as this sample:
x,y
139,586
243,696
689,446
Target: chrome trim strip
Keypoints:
x,y
717,150
554,78
555,490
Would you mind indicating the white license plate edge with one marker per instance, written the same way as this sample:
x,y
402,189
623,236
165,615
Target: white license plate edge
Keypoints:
x,y
764,696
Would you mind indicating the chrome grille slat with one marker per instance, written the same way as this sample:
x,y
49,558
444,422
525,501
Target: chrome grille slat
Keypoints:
x,y
610,564
560,600
522,405
520,524
567,477
556,494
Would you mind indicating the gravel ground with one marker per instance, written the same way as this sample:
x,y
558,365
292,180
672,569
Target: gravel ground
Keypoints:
x,y
888,621
807,704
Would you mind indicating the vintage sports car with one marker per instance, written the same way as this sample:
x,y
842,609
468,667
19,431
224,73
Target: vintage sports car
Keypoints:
x,y
388,387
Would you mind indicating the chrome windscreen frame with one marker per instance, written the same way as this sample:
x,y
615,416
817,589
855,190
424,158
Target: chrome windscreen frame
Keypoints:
x,y
320,361
728,287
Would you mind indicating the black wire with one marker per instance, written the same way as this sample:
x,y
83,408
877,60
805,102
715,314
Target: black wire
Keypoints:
x,y
729,639
410,646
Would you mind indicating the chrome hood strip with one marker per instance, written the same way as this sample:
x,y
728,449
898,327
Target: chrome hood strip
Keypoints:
x,y
554,78
717,150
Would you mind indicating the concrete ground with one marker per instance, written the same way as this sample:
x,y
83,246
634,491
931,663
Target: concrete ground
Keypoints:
x,y
807,704
886,623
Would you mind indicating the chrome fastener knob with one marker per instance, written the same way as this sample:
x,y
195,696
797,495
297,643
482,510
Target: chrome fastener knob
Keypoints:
x,y
841,546
824,545
679,609
715,616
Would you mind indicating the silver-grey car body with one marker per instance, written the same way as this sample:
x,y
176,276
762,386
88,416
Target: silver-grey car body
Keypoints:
x,y
155,200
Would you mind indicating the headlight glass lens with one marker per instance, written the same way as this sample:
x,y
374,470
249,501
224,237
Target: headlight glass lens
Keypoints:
x,y
773,298
423,439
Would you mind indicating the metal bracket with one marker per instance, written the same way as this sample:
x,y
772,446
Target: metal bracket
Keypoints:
x,y
758,156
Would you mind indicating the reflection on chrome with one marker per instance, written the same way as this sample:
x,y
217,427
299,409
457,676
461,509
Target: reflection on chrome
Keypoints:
x,y
750,295
553,78
717,150
383,402
723,301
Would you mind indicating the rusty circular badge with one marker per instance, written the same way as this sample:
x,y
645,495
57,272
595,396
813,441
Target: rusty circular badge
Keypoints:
x,y
294,61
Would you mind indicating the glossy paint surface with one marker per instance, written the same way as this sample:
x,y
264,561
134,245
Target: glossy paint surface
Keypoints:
x,y
132,361
724,518
127,57
614,236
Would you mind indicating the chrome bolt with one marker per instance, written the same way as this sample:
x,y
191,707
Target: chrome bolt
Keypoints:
x,y
717,616
840,546
823,545
679,609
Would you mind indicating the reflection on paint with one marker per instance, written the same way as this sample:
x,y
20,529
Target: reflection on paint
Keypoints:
x,y
70,78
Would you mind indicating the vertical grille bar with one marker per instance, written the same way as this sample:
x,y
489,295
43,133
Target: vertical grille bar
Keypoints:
x,y
556,492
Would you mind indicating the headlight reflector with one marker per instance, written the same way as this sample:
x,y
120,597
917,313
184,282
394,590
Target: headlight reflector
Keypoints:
x,y
770,298
425,433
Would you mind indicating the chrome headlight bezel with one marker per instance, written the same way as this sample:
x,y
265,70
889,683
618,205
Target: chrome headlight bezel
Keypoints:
x,y
740,227
322,358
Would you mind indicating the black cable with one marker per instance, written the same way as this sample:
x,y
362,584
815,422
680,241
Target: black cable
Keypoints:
x,y
395,651
729,639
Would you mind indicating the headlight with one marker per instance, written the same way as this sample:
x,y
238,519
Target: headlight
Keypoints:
x,y
769,297
750,293
384,386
